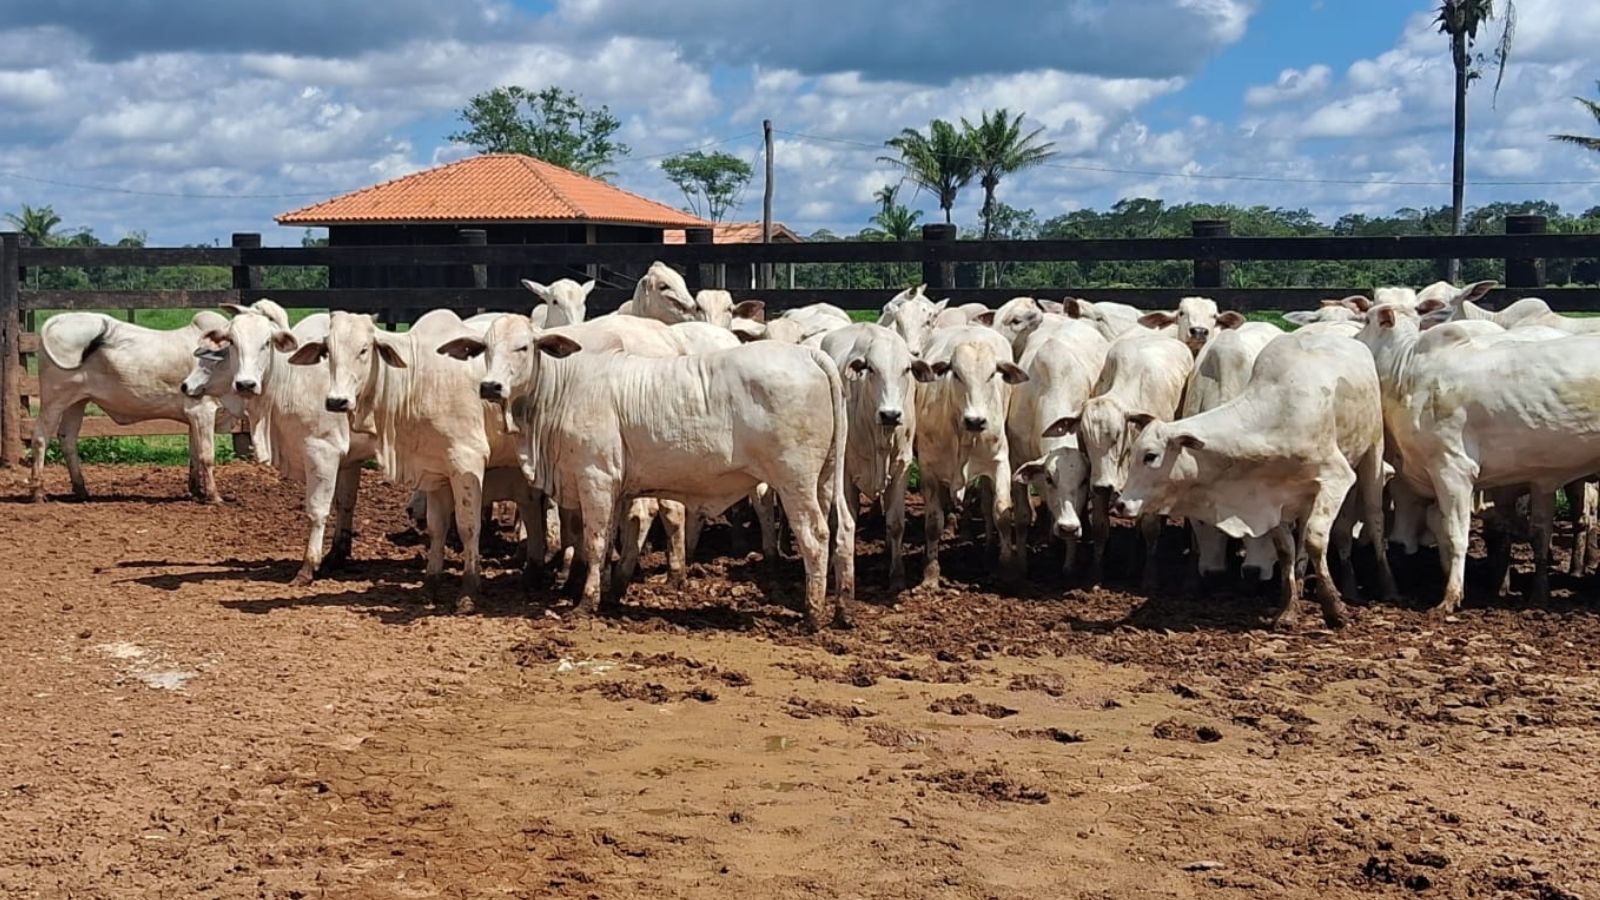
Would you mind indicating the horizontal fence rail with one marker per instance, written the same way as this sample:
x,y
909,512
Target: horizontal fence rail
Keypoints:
x,y
1210,250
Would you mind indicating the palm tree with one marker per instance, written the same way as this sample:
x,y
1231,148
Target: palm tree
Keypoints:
x,y
1593,143
999,148
38,223
897,222
940,161
1460,20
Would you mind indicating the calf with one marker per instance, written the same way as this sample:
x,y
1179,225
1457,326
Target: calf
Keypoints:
x,y
132,373
562,302
880,379
1306,429
1144,375
703,430
961,435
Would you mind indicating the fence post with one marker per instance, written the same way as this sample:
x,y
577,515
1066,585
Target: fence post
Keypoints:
x,y
476,275
699,276
938,274
1210,273
10,328
1525,273
247,281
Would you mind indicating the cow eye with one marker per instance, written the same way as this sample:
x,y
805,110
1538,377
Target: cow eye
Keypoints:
x,y
1050,480
522,349
1150,458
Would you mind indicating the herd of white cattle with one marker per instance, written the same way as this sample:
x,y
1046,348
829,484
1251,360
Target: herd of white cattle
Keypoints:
x,y
1393,418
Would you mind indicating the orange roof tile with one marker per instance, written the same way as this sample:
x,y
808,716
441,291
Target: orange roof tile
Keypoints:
x,y
739,233
495,187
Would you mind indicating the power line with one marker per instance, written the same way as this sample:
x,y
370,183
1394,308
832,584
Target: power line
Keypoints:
x,y
1144,173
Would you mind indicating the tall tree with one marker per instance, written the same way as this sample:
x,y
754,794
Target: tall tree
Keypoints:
x,y
896,221
940,160
1590,142
711,182
999,148
1460,20
552,124
37,222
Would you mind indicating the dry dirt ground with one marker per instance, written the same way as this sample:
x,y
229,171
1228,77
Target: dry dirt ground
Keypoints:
x,y
178,722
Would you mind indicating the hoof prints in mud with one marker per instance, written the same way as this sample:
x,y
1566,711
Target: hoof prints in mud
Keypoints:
x,y
990,783
649,692
811,707
967,705
1173,730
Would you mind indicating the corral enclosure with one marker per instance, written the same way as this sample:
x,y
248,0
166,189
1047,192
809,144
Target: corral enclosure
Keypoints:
x,y
182,722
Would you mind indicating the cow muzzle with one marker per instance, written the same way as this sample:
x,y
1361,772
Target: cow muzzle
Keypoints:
x,y
1067,530
491,390
246,387
889,418
1199,334
337,404
974,423
1125,508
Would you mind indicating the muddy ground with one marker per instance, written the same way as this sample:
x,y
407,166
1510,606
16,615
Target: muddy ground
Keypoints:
x,y
177,721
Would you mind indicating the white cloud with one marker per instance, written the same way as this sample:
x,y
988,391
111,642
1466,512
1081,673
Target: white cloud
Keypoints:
x,y
1292,84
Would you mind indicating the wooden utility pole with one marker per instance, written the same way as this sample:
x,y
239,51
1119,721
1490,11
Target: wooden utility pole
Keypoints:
x,y
766,206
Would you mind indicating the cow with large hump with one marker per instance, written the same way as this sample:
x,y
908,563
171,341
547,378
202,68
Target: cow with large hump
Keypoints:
x,y
1144,375
880,378
1459,424
1063,358
662,294
1221,371
431,430
133,374
961,437
602,427
1306,429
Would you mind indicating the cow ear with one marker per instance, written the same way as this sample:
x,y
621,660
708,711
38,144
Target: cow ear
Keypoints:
x,y
1069,305
754,310
1386,317
855,368
922,372
1061,427
1158,319
1357,302
557,345
1432,304
1230,319
1029,471
1476,291
539,290
234,308
1300,317
390,355
984,318
1139,419
1050,306
586,287
218,337
1186,440
309,354
941,305
284,341
1012,373
463,348
940,369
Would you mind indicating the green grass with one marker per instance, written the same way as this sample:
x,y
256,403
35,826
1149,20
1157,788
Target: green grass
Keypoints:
x,y
169,450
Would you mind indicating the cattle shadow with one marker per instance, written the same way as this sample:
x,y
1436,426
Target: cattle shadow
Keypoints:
x,y
281,571
24,498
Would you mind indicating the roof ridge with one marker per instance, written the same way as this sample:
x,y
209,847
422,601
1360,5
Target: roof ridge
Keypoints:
x,y
383,184
527,160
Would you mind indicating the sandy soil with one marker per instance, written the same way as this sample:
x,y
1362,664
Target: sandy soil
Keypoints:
x,y
177,721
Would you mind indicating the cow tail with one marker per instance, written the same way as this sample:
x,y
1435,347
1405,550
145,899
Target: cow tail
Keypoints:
x,y
832,487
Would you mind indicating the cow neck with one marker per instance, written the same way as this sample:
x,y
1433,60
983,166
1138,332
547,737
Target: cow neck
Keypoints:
x,y
387,404
277,386
547,401
1392,356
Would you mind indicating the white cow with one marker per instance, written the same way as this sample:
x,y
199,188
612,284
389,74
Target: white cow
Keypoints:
x,y
562,302
132,373
805,323
431,431
961,436
1349,309
1144,375
291,430
1019,317
1063,358
1113,319
703,430
880,379
1221,371
1464,416
1193,323
1289,447
911,315
662,294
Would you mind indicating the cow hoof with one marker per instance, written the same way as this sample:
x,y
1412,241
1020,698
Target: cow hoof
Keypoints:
x,y
465,606
37,495
588,606
301,578
1336,618
678,581
430,587
1284,621
897,584
80,494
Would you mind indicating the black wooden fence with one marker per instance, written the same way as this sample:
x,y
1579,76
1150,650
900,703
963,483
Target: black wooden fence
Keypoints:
x,y
1211,249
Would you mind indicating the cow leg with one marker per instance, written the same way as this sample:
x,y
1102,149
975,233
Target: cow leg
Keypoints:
x,y
1341,540
1582,498
71,424
1021,522
345,491
1541,525
1210,548
1369,484
933,520
437,515
1319,526
322,473
1150,530
1284,543
1100,533
693,527
1499,533
468,490
599,517
988,493
203,454
675,522
1453,488
846,510
763,501
894,518
636,520
1260,558
53,415
809,525
535,537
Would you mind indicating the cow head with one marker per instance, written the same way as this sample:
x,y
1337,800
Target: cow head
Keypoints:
x,y
981,380
1105,432
1061,478
567,299
1018,318
354,349
237,358
508,350
663,294
882,372
1193,323
1162,466
912,317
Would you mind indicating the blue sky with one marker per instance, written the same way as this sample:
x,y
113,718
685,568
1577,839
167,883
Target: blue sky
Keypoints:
x,y
208,117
